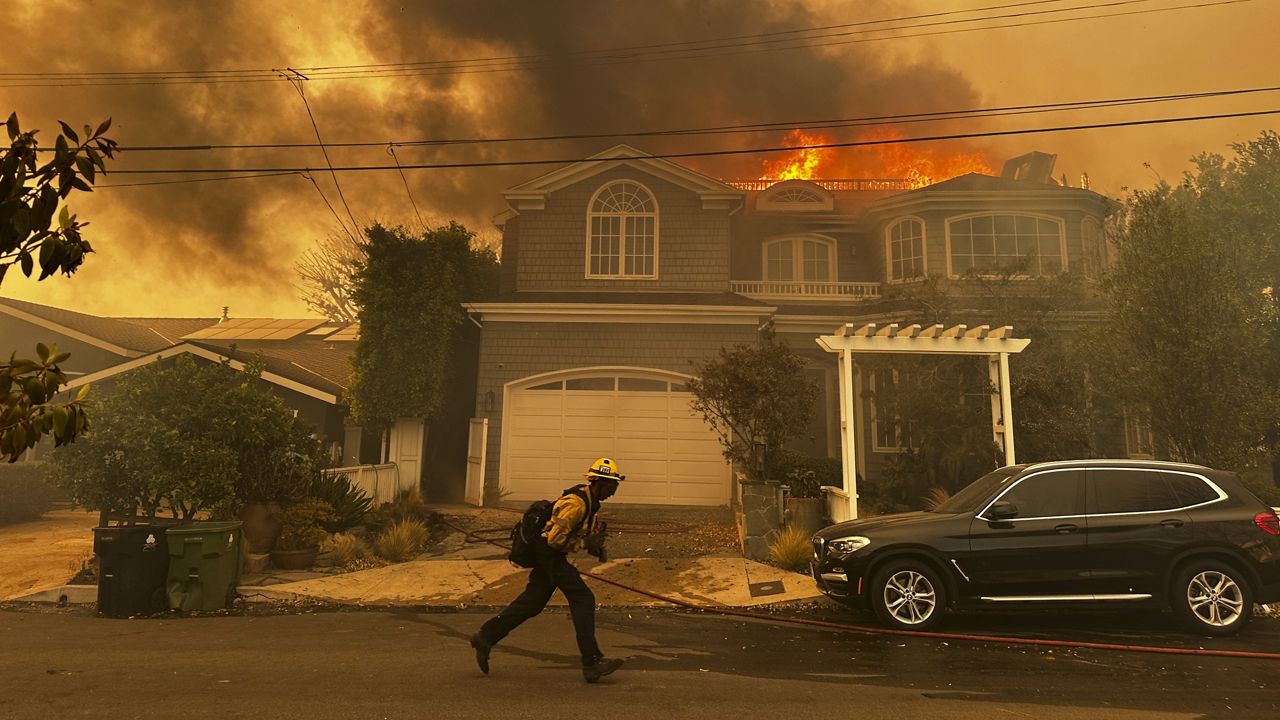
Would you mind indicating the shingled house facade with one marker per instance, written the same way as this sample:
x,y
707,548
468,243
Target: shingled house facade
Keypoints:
x,y
622,273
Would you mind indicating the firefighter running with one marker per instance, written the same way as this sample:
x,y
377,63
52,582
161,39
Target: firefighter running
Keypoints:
x,y
573,524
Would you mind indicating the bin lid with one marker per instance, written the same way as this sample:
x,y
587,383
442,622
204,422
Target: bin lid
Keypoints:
x,y
198,528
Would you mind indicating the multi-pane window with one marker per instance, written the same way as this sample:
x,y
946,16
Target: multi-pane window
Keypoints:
x,y
623,226
799,259
906,250
1021,244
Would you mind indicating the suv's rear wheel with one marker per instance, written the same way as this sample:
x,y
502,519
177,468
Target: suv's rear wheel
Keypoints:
x,y
1212,597
908,595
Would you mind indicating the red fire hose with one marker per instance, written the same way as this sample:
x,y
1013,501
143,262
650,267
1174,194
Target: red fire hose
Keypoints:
x,y
868,630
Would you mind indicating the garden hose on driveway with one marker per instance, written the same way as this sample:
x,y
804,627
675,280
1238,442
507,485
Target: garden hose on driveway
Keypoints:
x,y
869,630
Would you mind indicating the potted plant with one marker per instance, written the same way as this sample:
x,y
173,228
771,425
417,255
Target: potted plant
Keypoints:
x,y
804,477
302,531
279,477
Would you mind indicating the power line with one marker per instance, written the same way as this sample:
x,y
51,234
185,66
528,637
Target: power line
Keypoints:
x,y
715,153
198,180
296,80
469,67
322,68
819,124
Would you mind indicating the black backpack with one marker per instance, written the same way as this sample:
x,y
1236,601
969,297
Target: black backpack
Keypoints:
x,y
527,530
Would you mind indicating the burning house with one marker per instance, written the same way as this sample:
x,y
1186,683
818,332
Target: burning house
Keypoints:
x,y
621,273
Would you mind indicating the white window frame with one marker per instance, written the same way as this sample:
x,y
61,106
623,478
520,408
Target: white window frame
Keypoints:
x,y
797,257
622,237
888,250
1062,238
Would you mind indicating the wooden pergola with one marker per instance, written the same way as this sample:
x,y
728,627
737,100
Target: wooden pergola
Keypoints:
x,y
982,340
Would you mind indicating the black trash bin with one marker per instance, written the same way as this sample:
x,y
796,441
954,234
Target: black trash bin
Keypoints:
x,y
133,563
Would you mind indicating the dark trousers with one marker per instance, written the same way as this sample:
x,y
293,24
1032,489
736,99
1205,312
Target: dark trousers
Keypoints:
x,y
554,571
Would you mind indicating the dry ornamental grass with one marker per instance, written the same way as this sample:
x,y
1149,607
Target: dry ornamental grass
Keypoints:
x,y
790,549
402,541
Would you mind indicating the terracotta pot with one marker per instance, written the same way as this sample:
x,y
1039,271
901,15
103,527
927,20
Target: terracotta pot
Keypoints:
x,y
294,559
261,525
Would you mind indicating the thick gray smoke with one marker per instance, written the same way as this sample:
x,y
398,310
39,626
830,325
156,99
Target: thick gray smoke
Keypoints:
x,y
215,238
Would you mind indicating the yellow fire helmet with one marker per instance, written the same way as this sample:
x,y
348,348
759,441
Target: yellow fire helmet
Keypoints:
x,y
605,469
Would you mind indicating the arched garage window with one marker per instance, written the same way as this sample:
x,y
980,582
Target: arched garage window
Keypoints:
x,y
622,232
998,242
807,259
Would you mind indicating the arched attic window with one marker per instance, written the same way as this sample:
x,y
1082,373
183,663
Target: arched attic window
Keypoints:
x,y
622,232
795,196
800,259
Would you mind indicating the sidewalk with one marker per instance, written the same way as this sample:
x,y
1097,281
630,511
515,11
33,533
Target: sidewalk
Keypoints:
x,y
456,582
44,552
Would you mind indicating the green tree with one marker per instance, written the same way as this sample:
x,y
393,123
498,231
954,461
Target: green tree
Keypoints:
x,y
409,290
757,398
188,437
1192,313
31,194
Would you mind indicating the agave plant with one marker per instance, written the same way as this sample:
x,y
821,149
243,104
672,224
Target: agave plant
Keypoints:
x,y
349,502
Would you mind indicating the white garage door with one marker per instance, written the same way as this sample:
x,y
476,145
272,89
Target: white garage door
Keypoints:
x,y
554,430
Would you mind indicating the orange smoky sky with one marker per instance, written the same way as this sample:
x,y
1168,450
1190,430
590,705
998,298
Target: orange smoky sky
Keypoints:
x,y
190,249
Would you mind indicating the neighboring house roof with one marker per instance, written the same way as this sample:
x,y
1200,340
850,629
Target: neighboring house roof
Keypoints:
x,y
322,365
119,336
172,329
282,368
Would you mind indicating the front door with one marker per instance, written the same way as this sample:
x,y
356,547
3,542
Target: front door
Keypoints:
x,y
1040,553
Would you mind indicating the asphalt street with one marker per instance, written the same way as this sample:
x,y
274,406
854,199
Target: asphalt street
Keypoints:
x,y
411,664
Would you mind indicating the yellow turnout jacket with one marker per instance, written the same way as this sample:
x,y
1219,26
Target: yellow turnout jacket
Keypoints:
x,y
572,519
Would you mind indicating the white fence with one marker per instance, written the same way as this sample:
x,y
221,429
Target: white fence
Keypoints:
x,y
837,502
380,482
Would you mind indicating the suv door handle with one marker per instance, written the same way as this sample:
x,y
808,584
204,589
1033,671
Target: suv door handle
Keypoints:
x,y
1171,523
1066,529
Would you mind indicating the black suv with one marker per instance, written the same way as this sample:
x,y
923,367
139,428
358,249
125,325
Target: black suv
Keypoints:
x,y
1117,532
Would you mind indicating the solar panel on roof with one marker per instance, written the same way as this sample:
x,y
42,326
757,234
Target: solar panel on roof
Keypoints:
x,y
350,332
325,330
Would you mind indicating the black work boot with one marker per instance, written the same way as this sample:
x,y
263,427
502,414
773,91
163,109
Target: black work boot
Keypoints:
x,y
592,672
482,652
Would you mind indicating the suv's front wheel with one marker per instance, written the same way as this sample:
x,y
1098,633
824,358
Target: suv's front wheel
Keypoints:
x,y
908,595
1212,597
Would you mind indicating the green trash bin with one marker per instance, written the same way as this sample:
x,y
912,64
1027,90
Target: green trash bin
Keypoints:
x,y
204,565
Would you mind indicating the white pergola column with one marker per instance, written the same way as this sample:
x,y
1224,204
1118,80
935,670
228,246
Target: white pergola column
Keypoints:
x,y
982,340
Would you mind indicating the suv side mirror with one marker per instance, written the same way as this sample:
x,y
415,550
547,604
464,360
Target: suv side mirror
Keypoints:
x,y
1002,510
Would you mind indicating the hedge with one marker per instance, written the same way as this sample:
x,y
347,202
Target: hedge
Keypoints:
x,y
24,493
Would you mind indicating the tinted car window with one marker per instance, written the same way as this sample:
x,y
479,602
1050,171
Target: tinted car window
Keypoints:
x,y
1189,489
1128,491
976,493
1048,494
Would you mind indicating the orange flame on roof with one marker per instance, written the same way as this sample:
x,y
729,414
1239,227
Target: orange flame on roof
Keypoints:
x,y
802,164
920,164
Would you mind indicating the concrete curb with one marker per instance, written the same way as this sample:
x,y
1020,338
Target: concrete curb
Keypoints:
x,y
61,595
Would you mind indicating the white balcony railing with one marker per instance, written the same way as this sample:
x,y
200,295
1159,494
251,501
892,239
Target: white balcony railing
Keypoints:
x,y
805,290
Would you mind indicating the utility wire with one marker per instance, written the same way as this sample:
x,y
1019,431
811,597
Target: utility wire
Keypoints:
x,y
297,80
391,150
715,153
465,67
820,124
380,66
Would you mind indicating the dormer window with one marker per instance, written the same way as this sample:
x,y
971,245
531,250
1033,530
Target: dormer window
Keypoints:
x,y
905,250
795,196
622,232
808,259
